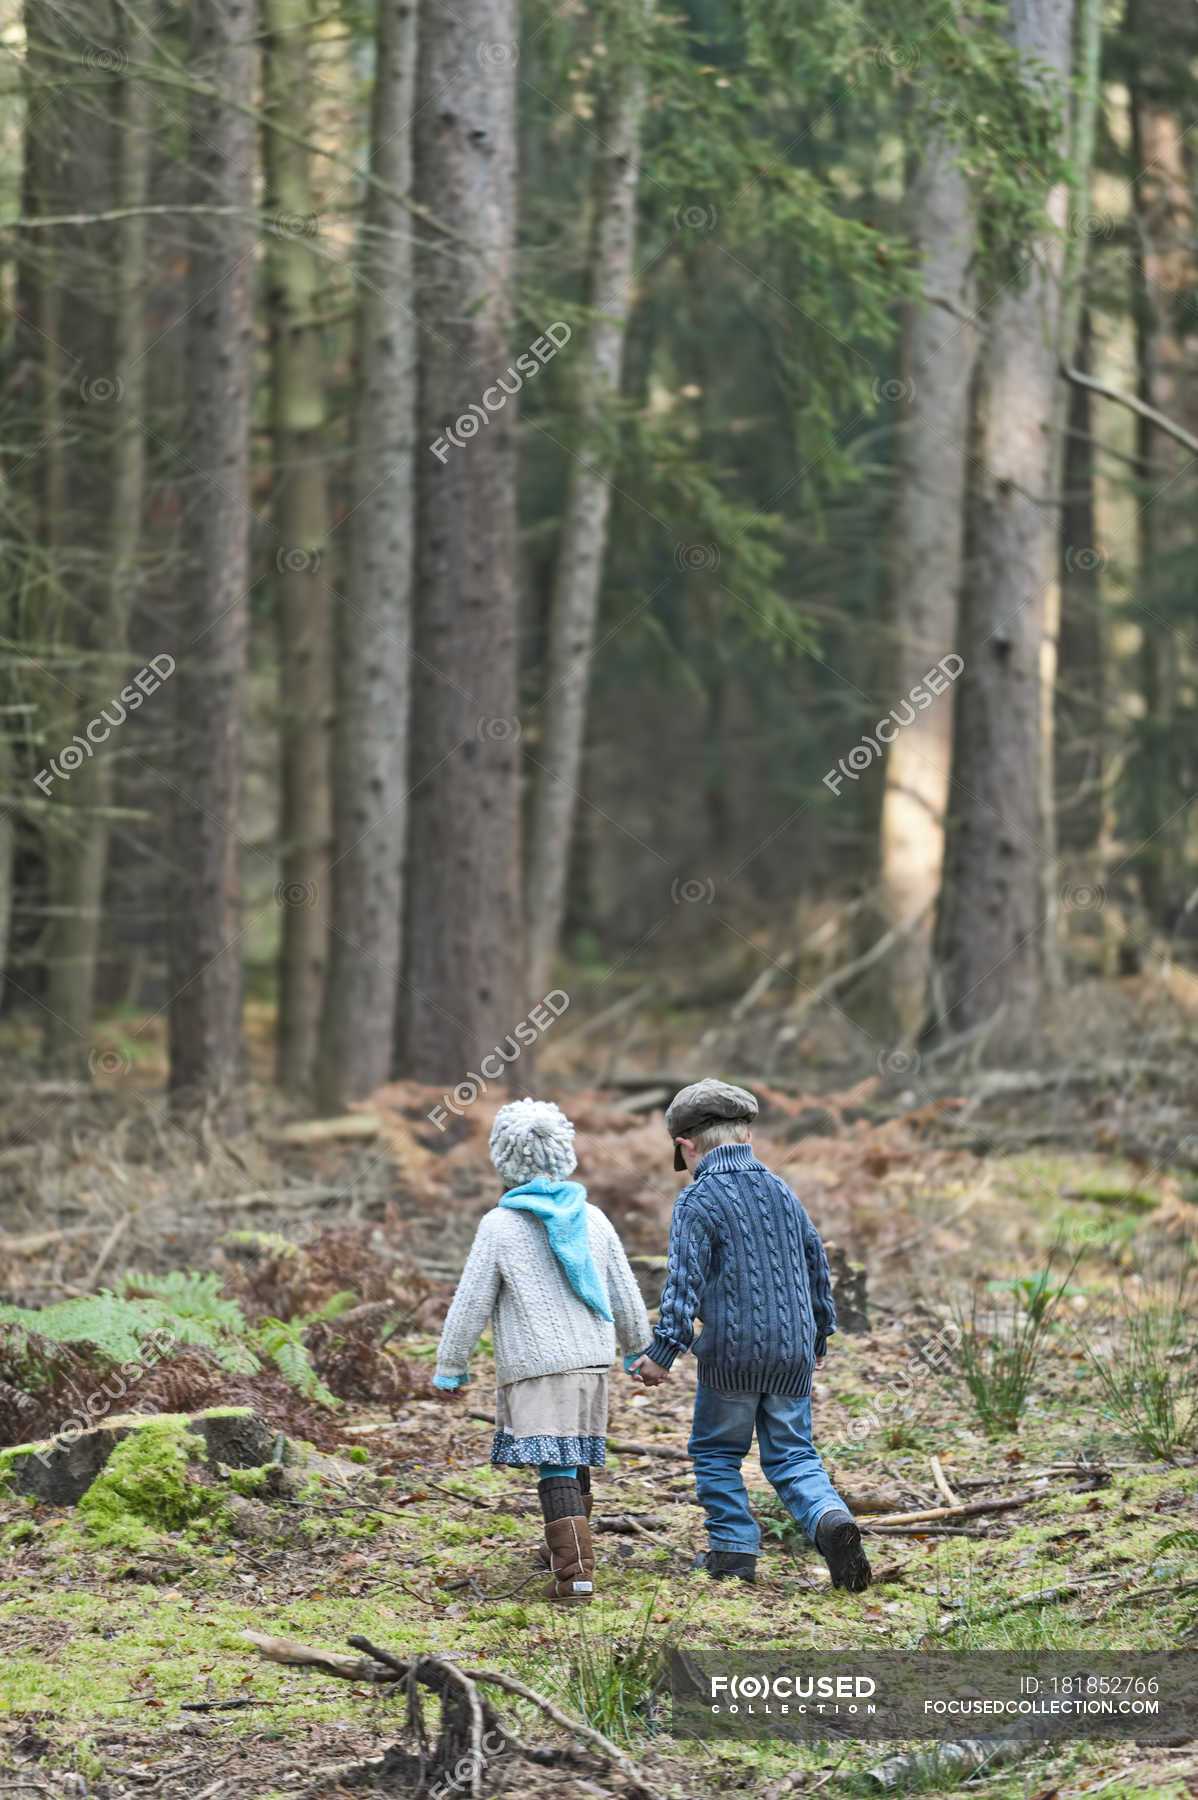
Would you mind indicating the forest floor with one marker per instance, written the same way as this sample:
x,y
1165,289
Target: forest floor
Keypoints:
x,y
933,1188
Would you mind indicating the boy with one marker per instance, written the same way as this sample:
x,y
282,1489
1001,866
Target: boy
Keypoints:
x,y
746,1260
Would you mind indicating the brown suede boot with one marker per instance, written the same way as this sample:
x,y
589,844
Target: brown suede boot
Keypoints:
x,y
541,1554
571,1561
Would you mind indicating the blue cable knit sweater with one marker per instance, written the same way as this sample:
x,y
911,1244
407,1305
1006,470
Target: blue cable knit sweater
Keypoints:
x,y
748,1262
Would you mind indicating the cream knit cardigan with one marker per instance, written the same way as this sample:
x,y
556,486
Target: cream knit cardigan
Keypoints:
x,y
539,1326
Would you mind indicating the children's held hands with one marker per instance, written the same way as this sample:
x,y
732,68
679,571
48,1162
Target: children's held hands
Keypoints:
x,y
819,1362
646,1370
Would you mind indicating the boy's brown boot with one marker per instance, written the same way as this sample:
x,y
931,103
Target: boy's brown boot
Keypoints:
x,y
571,1560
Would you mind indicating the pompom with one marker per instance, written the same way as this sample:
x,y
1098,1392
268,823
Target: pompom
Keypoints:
x,y
532,1137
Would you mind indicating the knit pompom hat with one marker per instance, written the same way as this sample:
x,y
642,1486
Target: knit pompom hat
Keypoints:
x,y
532,1137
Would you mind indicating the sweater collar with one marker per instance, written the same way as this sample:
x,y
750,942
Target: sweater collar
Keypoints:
x,y
724,1159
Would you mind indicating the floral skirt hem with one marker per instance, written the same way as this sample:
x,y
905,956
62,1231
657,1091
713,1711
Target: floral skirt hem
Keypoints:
x,y
563,1452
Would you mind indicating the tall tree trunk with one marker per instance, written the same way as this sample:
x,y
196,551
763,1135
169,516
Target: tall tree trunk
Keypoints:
x,y
1080,697
301,514
464,912
939,345
374,625
1087,87
80,866
1167,346
72,143
992,920
206,1052
579,568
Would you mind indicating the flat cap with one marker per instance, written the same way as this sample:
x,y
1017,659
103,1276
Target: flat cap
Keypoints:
x,y
705,1103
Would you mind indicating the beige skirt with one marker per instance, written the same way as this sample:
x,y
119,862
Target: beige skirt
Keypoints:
x,y
559,1420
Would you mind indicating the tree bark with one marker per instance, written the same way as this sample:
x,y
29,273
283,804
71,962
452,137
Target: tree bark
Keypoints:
x,y
582,545
301,520
206,1051
72,145
1080,697
938,352
1167,350
992,919
374,622
81,867
464,949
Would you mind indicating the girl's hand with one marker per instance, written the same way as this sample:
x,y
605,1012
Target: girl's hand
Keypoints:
x,y
646,1370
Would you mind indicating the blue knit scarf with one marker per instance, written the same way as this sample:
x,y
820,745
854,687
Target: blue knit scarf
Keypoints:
x,y
561,1207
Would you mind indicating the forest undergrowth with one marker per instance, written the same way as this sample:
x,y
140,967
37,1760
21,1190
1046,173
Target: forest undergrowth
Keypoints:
x,y
1026,1345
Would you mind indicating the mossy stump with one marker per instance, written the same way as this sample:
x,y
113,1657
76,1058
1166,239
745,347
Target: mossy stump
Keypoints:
x,y
59,1470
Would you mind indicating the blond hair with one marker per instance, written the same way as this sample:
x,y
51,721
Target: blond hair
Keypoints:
x,y
724,1131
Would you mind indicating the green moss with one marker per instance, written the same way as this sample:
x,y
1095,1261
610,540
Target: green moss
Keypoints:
x,y
147,1488
249,1482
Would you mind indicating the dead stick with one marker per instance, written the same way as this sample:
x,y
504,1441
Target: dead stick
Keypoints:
x,y
448,1672
942,1487
955,1512
106,1249
628,1769
304,1656
1148,1593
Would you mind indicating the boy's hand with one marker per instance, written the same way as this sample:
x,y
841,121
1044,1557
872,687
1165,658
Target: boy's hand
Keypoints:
x,y
819,1362
646,1370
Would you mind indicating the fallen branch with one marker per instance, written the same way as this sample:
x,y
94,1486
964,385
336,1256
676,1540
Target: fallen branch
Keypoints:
x,y
42,1240
1064,1590
637,1782
848,971
1148,1593
942,1487
218,1705
324,1131
379,1667
968,1510
625,1525
306,1656
106,1249
966,1758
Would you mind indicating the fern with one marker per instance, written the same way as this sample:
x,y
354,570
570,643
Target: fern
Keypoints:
x,y
188,1295
185,1307
114,1327
333,1308
260,1243
282,1343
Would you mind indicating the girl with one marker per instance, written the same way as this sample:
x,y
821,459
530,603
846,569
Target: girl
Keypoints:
x,y
551,1275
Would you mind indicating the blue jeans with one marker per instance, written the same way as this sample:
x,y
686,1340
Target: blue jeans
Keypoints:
x,y
722,1436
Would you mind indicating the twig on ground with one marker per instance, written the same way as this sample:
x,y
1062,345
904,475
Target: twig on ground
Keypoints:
x,y
1042,1597
378,1666
637,1781
469,1499
942,1487
1148,1593
795,1784
965,1511
219,1705
106,1249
